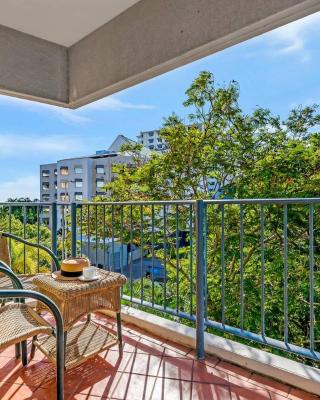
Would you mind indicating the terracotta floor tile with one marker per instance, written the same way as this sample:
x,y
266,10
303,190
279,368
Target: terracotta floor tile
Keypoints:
x,y
210,360
146,346
269,384
11,391
145,364
232,369
206,391
176,368
133,387
206,373
117,362
296,394
175,348
173,389
240,393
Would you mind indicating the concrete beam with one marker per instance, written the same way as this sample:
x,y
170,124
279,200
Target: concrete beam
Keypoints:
x,y
33,68
148,39
153,37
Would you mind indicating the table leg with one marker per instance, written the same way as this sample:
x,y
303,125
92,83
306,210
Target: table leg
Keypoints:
x,y
65,347
88,317
119,332
33,347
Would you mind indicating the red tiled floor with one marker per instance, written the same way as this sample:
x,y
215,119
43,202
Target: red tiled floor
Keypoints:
x,y
151,368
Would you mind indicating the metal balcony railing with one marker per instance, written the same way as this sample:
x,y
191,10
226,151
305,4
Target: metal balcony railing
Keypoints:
x,y
249,268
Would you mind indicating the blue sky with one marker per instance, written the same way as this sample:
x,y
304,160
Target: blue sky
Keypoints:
x,y
278,70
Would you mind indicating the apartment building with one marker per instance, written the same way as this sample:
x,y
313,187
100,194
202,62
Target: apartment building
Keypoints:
x,y
152,140
81,178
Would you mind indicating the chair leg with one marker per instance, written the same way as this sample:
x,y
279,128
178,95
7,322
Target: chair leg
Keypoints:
x,y
17,350
24,353
119,332
60,357
33,347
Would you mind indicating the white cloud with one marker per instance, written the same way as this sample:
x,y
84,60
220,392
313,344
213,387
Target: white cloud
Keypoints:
x,y
113,103
26,146
290,39
79,116
25,186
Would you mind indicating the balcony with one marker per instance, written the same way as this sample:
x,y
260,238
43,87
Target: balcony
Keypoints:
x,y
221,300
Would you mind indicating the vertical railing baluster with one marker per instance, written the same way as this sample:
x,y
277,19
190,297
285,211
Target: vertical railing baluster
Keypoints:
x,y
285,278
10,230
54,227
205,222
262,269
121,241
104,235
165,255
191,259
38,238
96,233
200,279
152,254
311,273
81,234
88,231
131,243
112,237
241,270
177,257
73,229
141,255
63,232
24,237
223,266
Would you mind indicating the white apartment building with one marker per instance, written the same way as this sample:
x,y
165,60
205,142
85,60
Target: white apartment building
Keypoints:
x,y
81,178
152,140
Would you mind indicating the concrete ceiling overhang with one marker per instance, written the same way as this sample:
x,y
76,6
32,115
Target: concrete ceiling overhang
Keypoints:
x,y
70,53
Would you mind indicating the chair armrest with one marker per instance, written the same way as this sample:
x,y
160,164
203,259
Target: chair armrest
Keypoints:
x,y
38,246
4,269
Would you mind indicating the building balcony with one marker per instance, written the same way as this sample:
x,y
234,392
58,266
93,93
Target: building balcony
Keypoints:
x,y
191,329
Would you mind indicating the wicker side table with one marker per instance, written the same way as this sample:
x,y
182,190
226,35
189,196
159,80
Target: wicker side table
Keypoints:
x,y
76,299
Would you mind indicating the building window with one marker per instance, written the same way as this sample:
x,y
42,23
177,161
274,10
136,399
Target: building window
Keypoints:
x,y
64,171
151,147
100,183
100,169
64,197
45,173
46,210
100,193
78,196
78,170
45,221
159,140
45,197
151,133
78,183
55,185
55,172
55,196
150,140
45,185
64,184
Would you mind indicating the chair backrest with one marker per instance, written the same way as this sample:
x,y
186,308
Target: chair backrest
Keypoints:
x,y
4,251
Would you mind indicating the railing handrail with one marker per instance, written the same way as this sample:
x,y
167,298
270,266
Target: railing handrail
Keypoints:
x,y
276,200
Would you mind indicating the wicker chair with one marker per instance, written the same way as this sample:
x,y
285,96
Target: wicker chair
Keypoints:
x,y
5,282
19,322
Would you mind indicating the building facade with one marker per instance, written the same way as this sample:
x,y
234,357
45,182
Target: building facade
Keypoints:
x,y
80,178
152,140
